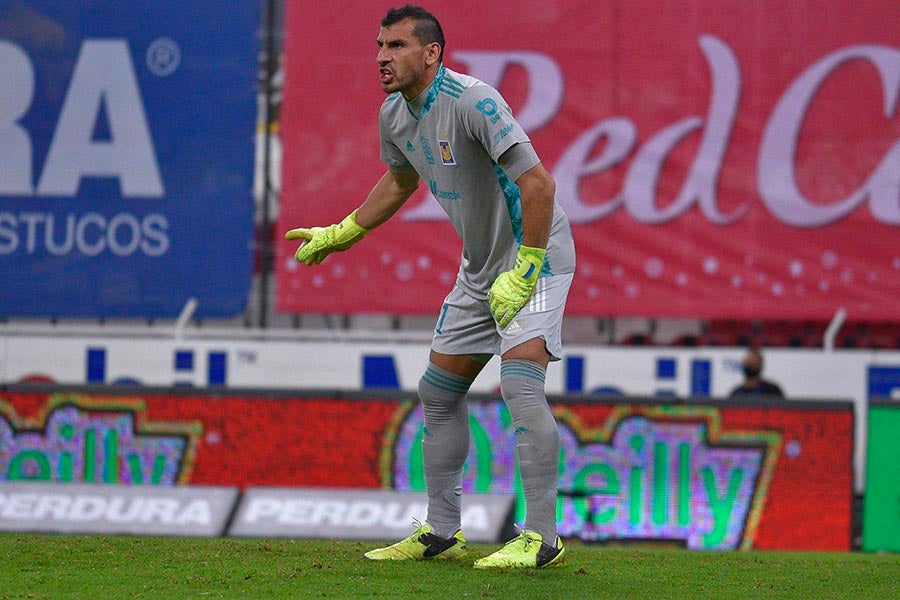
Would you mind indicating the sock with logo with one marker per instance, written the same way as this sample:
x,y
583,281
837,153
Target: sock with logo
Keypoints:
x,y
445,445
537,442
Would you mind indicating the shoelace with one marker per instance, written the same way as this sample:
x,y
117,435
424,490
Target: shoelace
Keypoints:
x,y
523,533
419,525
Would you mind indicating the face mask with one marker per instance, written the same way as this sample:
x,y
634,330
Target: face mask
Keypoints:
x,y
751,372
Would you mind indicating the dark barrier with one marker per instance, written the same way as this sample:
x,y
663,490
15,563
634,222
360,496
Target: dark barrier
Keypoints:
x,y
705,475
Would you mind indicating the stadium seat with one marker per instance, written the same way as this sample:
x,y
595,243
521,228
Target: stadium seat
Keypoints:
x,y
637,339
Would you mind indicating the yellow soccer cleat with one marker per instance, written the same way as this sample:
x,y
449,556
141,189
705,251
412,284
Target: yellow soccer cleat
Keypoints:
x,y
526,551
422,545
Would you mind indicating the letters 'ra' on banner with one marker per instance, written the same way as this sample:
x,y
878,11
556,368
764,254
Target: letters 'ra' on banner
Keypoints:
x,y
126,151
714,159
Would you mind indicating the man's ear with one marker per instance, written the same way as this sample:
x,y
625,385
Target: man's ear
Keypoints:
x,y
434,53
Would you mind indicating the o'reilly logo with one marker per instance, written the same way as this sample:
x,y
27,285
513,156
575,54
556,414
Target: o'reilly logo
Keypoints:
x,y
669,473
76,439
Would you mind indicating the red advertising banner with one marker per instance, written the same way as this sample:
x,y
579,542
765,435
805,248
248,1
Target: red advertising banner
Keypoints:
x,y
716,159
715,477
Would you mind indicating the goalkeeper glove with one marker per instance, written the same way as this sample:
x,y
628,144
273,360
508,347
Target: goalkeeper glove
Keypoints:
x,y
322,241
513,288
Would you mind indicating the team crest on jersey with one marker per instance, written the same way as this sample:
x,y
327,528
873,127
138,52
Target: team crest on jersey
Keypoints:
x,y
446,153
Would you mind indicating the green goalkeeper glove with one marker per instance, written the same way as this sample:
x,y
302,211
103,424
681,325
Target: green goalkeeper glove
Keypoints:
x,y
513,288
322,241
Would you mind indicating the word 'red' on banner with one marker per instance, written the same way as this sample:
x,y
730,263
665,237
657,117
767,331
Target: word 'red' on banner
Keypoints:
x,y
127,145
714,159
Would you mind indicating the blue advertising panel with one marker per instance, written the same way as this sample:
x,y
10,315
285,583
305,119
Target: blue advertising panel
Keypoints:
x,y
126,156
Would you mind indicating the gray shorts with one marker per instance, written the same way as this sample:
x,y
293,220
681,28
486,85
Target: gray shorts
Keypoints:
x,y
466,326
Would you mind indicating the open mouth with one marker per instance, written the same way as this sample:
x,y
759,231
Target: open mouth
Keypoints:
x,y
385,75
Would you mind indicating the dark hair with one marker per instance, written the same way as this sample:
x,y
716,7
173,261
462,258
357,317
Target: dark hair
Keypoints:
x,y
427,27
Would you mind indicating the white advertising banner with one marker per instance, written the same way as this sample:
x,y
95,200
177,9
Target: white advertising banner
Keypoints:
x,y
116,509
360,514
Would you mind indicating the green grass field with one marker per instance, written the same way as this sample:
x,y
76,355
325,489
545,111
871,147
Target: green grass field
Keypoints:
x,y
60,566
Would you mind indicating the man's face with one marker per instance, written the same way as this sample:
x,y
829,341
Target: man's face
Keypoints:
x,y
752,365
403,60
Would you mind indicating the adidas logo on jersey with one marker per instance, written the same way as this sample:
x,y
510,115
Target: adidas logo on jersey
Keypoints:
x,y
514,327
409,146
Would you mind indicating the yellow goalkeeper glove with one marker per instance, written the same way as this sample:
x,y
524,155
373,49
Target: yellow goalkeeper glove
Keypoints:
x,y
513,288
322,241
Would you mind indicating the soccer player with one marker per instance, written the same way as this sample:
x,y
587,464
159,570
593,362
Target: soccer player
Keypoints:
x,y
458,134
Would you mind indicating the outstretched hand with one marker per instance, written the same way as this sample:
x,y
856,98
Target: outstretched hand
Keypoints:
x,y
322,241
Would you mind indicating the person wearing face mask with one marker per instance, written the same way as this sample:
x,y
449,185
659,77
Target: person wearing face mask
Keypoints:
x,y
754,384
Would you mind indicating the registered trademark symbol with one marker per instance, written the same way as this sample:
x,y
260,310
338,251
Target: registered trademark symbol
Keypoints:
x,y
163,56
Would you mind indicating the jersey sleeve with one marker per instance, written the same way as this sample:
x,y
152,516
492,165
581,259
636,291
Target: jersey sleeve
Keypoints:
x,y
489,120
517,160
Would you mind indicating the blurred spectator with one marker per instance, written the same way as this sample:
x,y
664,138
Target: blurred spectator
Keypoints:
x,y
754,384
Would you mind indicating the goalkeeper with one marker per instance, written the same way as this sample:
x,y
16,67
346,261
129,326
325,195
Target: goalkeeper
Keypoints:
x,y
518,259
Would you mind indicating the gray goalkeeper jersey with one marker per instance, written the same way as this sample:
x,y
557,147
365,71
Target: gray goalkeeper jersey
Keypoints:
x,y
453,135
